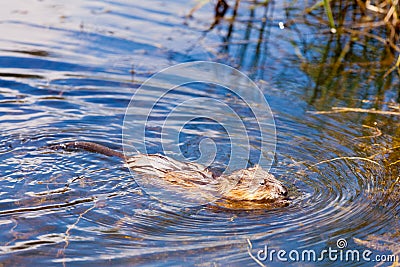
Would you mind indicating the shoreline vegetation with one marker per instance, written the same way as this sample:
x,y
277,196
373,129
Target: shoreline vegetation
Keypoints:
x,y
352,22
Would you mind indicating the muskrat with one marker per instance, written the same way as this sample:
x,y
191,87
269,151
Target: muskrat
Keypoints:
x,y
251,185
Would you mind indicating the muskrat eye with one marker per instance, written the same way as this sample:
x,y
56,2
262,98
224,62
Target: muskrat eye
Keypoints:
x,y
262,183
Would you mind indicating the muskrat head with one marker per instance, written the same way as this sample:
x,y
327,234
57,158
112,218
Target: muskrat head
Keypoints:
x,y
255,184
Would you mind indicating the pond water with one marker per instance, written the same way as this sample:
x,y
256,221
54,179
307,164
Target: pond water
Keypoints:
x,y
68,72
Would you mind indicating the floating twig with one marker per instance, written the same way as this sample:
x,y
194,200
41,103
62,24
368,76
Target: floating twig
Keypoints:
x,y
342,158
359,110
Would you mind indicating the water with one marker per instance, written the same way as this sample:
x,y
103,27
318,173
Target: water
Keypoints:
x,y
68,72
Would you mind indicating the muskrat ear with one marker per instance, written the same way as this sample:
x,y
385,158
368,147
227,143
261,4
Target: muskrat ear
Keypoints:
x,y
256,166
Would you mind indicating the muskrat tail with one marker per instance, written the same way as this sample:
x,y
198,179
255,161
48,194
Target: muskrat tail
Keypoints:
x,y
88,146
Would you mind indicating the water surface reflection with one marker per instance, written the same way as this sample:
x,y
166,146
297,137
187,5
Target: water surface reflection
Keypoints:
x,y
68,73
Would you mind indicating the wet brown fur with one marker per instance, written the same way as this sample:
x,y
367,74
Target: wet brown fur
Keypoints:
x,y
251,185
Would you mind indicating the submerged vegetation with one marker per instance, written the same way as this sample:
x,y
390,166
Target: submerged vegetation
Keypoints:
x,y
366,40
353,68
363,45
365,23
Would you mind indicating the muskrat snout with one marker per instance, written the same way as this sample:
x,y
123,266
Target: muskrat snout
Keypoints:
x,y
283,191
275,189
